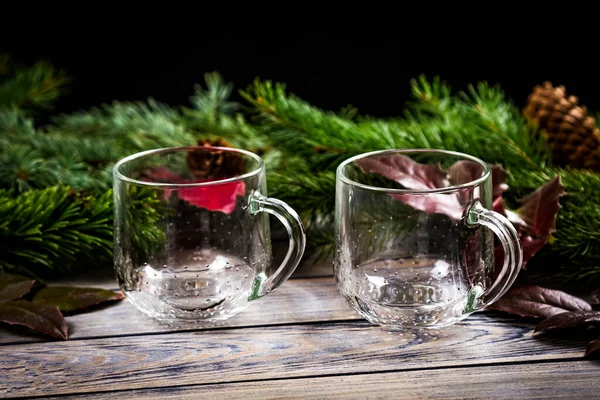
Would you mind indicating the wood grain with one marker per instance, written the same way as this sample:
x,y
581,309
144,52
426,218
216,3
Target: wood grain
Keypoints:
x,y
297,301
230,355
563,380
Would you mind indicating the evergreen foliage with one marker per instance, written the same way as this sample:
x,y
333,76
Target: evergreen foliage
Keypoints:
x,y
66,166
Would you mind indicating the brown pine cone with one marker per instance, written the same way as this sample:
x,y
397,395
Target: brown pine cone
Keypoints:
x,y
215,164
571,132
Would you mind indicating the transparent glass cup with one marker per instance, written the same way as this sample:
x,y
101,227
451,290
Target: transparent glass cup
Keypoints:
x,y
191,234
415,244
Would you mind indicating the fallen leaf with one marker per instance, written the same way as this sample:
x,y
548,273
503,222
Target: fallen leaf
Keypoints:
x,y
535,301
71,299
596,297
539,209
14,286
593,348
569,319
41,318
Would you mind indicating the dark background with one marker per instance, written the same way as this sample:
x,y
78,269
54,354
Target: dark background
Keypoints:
x,y
371,73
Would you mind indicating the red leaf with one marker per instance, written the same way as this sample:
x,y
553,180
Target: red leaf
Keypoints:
x,y
214,198
593,348
219,197
596,297
539,209
467,171
71,299
416,176
43,319
406,171
530,247
14,286
535,301
464,172
571,319
499,184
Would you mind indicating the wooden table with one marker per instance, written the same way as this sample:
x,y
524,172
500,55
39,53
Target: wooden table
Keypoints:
x,y
302,340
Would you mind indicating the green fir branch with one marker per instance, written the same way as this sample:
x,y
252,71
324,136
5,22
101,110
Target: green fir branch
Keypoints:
x,y
53,229
30,88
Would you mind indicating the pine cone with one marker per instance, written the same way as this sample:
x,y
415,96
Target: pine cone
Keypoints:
x,y
215,164
571,132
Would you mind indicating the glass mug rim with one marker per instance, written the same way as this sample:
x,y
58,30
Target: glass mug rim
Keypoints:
x,y
119,175
340,171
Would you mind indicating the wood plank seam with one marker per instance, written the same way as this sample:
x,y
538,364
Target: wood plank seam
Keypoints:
x,y
331,375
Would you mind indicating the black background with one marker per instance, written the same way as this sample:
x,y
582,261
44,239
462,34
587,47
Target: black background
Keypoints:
x,y
372,73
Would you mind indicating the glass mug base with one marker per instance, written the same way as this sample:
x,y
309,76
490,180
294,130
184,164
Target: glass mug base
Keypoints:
x,y
407,293
214,286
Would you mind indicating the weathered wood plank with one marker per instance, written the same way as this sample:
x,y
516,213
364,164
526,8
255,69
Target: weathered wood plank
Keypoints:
x,y
229,355
296,301
562,380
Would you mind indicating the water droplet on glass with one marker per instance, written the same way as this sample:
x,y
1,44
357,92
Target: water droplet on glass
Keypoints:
x,y
237,269
385,281
374,269
207,301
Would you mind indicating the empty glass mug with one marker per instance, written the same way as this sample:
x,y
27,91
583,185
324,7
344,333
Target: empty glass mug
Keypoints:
x,y
192,238
414,238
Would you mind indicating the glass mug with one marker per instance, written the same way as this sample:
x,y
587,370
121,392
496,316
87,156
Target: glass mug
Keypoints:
x,y
415,238
191,233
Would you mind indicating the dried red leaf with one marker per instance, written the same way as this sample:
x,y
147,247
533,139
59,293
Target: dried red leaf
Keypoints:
x,y
539,302
464,172
570,319
14,286
71,299
539,209
41,318
218,197
499,184
530,246
467,171
221,197
406,171
593,349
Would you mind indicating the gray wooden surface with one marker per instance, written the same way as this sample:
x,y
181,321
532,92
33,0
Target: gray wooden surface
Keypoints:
x,y
301,341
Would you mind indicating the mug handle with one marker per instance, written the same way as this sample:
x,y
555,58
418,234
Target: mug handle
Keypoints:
x,y
293,224
513,255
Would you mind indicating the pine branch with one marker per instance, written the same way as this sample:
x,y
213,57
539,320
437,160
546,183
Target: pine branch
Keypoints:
x,y
35,87
480,122
51,229
134,126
